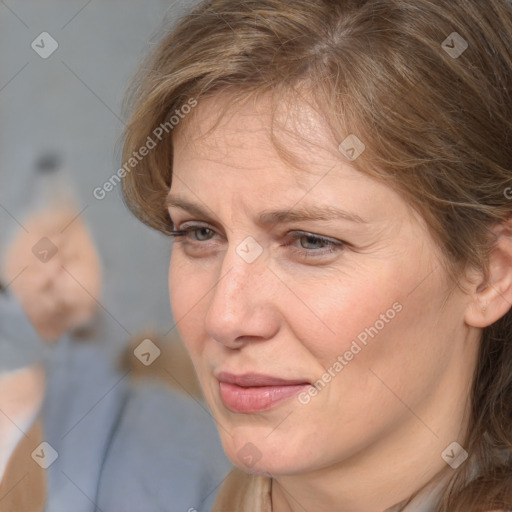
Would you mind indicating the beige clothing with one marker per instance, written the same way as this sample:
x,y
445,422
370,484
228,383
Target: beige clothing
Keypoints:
x,y
23,487
242,492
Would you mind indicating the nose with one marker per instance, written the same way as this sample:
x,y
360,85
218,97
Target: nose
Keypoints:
x,y
242,304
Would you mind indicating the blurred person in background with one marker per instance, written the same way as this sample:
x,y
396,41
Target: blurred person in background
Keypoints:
x,y
77,433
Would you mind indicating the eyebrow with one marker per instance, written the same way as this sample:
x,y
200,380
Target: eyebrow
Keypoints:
x,y
272,217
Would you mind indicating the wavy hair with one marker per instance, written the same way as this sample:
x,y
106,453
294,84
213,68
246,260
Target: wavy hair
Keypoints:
x,y
426,85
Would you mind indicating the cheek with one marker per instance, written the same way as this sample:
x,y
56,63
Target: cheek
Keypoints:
x,y
344,310
373,323
187,290
179,291
386,339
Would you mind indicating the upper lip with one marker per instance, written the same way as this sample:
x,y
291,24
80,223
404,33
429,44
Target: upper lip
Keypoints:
x,y
255,379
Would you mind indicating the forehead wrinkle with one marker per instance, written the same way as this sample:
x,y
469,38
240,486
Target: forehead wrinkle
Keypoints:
x,y
296,126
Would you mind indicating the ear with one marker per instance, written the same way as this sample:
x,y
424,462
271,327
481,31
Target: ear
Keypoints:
x,y
491,295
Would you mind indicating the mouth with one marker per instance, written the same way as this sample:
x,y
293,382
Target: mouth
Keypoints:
x,y
251,393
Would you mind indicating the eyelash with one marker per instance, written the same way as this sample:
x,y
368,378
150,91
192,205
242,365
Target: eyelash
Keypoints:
x,y
332,246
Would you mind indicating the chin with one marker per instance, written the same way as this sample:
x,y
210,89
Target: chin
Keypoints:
x,y
254,444
253,452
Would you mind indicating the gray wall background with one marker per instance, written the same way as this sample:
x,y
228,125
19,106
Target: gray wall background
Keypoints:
x,y
71,103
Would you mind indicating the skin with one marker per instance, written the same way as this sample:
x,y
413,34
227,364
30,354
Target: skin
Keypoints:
x,y
62,292
393,409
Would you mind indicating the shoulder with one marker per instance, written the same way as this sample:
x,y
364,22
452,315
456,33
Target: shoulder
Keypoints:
x,y
158,415
165,452
83,403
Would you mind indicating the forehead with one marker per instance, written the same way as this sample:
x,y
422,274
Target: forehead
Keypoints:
x,y
226,157
258,132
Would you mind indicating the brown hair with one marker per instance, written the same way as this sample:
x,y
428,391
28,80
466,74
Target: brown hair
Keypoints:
x,y
436,123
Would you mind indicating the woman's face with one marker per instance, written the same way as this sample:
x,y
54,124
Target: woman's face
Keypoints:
x,y
312,302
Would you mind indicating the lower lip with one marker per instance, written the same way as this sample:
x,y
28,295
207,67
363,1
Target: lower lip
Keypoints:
x,y
256,399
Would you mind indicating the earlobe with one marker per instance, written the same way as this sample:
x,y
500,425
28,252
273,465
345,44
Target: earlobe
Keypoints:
x,y
491,297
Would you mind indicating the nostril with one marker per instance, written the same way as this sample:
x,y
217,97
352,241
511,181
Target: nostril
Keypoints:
x,y
235,344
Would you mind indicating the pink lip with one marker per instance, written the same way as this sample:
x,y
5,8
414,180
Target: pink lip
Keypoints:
x,y
252,393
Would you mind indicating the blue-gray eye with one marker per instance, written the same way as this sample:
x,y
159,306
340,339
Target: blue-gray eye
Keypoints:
x,y
313,242
202,234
